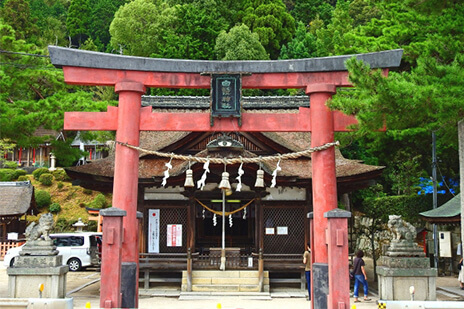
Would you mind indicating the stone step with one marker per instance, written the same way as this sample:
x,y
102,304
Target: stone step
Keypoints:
x,y
222,295
215,288
225,274
225,281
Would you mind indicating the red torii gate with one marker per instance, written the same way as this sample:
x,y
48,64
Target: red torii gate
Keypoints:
x,y
131,75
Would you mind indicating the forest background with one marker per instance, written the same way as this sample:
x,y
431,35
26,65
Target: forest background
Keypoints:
x,y
423,96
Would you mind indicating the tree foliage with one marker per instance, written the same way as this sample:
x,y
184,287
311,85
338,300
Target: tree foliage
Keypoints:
x,y
17,14
303,45
138,26
239,44
271,21
78,20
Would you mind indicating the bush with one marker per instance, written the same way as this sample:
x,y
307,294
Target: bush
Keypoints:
x,y
18,173
10,164
23,178
60,175
60,185
6,174
39,172
46,179
87,191
92,226
42,198
54,208
98,202
62,225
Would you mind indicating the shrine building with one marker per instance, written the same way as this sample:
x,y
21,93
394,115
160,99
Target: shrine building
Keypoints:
x,y
272,220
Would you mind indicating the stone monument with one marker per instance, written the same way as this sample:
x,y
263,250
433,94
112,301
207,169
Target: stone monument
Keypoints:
x,y
404,265
38,263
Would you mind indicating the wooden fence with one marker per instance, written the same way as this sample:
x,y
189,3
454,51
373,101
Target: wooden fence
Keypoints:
x,y
5,245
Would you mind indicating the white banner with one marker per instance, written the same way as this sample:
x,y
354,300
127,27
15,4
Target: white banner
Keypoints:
x,y
174,235
153,230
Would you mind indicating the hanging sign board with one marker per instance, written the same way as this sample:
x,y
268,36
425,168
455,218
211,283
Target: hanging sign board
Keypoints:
x,y
174,235
153,230
226,93
282,230
270,231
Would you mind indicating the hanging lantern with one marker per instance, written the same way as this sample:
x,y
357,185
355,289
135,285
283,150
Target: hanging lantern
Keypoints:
x,y
225,184
259,179
189,179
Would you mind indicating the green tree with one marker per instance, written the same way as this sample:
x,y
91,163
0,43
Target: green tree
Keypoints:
x,y
271,21
138,25
17,14
303,45
239,44
307,10
78,20
102,15
334,40
193,31
51,21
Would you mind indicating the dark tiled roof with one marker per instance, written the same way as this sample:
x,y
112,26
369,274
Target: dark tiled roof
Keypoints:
x,y
450,209
196,102
16,198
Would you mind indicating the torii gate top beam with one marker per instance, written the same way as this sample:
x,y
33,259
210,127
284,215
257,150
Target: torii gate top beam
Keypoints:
x,y
82,67
94,68
82,58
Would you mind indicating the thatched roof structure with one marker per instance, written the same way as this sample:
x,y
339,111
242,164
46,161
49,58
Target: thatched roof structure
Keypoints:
x,y
351,174
17,199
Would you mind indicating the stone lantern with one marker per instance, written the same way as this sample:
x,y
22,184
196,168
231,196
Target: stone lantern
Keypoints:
x,y
79,225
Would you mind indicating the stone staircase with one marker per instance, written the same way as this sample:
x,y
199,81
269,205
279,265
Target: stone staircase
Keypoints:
x,y
225,281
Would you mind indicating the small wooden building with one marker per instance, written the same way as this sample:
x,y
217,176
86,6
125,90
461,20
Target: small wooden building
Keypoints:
x,y
16,202
272,221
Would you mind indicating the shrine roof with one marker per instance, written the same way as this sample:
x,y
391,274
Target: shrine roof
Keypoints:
x,y
152,167
17,198
61,56
451,211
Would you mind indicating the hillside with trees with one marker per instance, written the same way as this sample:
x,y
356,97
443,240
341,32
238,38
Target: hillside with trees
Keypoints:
x,y
424,95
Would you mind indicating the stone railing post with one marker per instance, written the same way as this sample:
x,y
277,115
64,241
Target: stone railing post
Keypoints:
x,y
110,290
261,269
189,269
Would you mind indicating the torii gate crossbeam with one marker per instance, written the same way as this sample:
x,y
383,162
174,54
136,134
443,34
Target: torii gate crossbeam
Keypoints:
x,y
131,75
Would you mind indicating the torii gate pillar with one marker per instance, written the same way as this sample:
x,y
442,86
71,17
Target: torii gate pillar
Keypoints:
x,y
125,184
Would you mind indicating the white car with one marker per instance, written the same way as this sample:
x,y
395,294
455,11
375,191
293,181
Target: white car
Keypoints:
x,y
78,250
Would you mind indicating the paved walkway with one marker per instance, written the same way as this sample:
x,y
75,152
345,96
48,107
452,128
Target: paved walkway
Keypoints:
x,y
84,287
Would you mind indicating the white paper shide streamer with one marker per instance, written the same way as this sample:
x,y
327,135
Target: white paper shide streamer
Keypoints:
x,y
202,182
166,173
274,174
239,177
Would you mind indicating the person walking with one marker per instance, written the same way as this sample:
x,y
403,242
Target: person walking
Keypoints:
x,y
360,276
307,262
